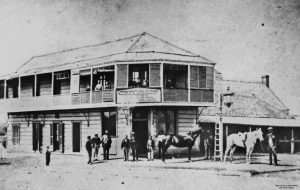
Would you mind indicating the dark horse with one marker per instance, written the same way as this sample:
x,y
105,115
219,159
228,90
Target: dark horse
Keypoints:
x,y
180,141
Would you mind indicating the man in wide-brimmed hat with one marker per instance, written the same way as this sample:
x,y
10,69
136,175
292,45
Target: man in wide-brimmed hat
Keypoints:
x,y
272,142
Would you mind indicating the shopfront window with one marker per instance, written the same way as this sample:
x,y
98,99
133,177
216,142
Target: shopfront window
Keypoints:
x,y
138,75
175,76
109,122
16,134
166,121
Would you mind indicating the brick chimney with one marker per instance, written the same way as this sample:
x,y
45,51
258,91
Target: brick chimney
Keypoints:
x,y
265,79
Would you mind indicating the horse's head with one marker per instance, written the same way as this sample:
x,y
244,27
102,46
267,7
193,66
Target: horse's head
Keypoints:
x,y
259,134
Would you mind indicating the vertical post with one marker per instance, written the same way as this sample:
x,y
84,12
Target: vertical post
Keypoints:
x,y
292,143
5,89
115,83
189,83
19,87
250,129
52,83
226,131
91,86
162,81
35,85
221,127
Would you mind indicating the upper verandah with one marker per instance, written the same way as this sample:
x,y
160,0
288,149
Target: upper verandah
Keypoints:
x,y
137,48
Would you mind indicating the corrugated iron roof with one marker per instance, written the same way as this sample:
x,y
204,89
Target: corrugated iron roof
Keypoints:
x,y
144,44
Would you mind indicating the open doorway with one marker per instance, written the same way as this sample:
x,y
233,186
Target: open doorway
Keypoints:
x,y
37,137
140,128
57,131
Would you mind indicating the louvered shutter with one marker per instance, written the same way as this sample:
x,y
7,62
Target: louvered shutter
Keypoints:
x,y
194,81
122,76
210,77
202,77
154,77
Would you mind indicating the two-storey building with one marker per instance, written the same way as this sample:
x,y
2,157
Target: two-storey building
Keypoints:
x,y
140,83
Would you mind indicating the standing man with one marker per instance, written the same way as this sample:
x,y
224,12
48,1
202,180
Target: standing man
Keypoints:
x,y
96,143
125,145
106,143
48,154
88,146
150,148
133,146
208,144
272,142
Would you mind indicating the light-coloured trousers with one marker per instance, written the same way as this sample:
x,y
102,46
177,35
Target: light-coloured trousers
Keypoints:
x,y
150,153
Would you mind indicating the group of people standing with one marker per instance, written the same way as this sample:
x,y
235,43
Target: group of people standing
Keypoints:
x,y
93,145
131,145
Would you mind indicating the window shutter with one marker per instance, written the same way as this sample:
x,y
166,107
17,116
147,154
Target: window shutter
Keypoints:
x,y
154,77
194,81
210,77
202,77
122,76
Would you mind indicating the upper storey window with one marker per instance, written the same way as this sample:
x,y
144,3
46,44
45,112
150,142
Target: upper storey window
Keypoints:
x,y
103,78
2,89
138,75
61,82
175,76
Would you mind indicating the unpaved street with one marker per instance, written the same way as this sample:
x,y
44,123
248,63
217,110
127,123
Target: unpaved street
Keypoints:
x,y
71,172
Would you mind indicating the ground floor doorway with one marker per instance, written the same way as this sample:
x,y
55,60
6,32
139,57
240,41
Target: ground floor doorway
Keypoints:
x,y
57,131
140,128
76,133
37,137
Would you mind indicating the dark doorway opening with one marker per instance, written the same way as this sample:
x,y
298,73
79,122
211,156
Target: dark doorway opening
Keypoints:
x,y
140,128
57,131
76,136
37,137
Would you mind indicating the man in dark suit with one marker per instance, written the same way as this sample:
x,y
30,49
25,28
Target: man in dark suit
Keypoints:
x,y
272,142
89,148
125,145
106,143
208,144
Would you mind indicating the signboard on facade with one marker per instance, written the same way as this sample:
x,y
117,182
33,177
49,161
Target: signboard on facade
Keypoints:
x,y
138,95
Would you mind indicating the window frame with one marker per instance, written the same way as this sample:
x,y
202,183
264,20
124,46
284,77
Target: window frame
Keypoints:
x,y
16,138
104,125
174,73
142,70
165,122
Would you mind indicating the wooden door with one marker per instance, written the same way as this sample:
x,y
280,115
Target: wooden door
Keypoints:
x,y
37,137
76,136
61,135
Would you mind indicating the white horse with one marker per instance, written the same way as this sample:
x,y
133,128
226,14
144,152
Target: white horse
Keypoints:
x,y
241,140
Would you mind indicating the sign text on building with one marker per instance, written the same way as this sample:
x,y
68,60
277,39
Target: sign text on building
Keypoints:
x,y
138,95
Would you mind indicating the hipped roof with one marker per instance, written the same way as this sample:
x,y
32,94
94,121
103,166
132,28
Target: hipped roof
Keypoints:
x,y
251,100
140,47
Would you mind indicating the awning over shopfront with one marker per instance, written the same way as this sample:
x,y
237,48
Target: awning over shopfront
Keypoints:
x,y
252,121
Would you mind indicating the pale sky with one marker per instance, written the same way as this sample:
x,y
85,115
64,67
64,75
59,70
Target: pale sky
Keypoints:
x,y
247,39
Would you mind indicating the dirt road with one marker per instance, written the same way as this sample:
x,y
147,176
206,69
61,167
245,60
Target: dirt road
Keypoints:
x,y
71,172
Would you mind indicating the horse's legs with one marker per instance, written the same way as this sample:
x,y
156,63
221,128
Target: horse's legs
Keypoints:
x,y
231,152
249,155
190,153
226,152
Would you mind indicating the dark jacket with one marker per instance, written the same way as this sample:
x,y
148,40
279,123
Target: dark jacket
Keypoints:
x,y
88,146
96,141
125,143
133,144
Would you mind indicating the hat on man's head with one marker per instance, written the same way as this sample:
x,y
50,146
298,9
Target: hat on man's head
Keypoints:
x,y
270,128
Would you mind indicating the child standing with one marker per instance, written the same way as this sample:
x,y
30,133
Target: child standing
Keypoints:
x,y
150,148
48,154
